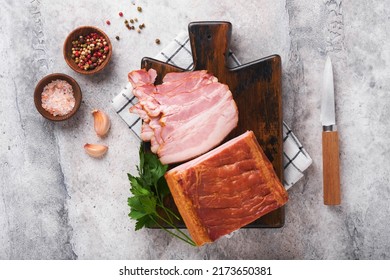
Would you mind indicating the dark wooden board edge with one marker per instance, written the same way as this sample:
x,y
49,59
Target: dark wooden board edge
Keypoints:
x,y
268,220
276,218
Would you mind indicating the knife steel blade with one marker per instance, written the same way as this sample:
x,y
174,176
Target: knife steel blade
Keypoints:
x,y
330,140
328,116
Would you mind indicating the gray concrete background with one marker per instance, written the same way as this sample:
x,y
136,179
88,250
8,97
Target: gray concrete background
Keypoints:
x,y
58,203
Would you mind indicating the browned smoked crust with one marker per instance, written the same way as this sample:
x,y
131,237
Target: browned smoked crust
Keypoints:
x,y
225,189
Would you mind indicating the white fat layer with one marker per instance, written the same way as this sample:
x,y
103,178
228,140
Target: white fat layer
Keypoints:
x,y
211,153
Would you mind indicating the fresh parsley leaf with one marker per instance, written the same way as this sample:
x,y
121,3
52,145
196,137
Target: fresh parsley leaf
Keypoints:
x,y
145,221
143,204
151,172
163,188
149,190
135,215
141,159
148,203
134,203
137,188
153,169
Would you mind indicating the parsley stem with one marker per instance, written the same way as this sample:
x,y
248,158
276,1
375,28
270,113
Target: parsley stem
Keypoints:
x,y
177,229
147,201
172,213
188,240
162,204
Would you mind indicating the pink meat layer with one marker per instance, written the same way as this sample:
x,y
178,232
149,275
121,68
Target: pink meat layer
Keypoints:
x,y
186,116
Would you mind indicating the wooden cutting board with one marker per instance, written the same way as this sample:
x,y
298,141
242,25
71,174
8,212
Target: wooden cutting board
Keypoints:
x,y
256,89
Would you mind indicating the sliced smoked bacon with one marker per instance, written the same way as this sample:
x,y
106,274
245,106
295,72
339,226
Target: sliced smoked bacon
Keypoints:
x,y
225,189
187,115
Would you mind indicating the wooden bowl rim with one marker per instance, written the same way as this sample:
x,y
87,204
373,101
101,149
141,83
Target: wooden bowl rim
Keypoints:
x,y
76,32
45,81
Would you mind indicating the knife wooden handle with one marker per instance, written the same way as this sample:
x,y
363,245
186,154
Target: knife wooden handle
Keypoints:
x,y
331,169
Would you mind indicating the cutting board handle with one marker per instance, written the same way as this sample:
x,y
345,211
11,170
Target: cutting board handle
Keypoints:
x,y
210,45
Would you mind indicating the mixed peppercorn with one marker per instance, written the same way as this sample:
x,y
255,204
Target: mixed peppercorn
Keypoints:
x,y
89,51
131,24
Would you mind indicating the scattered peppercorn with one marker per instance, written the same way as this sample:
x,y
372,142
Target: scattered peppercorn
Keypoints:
x,y
120,14
132,20
136,19
139,9
108,22
117,37
141,26
89,51
126,21
158,41
139,30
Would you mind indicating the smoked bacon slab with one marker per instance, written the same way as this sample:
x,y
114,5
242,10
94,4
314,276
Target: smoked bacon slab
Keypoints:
x,y
225,189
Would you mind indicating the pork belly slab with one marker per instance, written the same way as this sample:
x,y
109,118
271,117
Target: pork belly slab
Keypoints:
x,y
225,189
187,115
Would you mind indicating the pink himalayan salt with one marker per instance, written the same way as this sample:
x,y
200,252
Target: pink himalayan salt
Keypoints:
x,y
58,98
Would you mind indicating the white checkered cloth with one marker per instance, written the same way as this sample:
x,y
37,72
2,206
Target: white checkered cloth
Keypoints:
x,y
296,160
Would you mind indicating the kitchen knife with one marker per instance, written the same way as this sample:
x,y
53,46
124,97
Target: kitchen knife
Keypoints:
x,y
330,141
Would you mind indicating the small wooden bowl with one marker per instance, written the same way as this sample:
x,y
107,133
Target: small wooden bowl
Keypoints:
x,y
38,95
74,35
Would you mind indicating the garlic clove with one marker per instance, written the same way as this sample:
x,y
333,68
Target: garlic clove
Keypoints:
x,y
95,150
101,122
